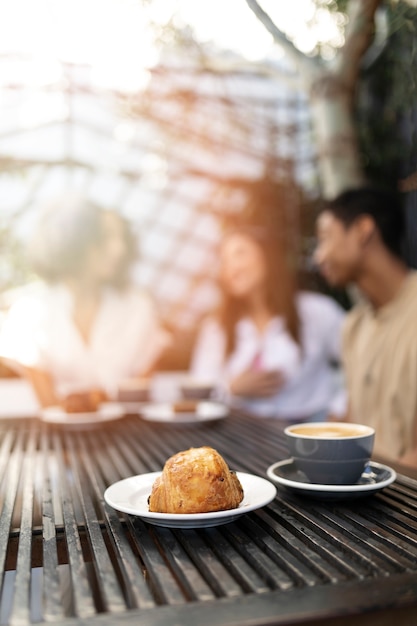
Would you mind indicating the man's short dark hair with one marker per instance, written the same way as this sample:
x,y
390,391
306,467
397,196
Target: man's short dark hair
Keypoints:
x,y
384,206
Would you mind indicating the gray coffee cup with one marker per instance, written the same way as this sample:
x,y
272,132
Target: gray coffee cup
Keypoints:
x,y
330,453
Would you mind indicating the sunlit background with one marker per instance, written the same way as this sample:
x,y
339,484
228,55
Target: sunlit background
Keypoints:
x,y
155,108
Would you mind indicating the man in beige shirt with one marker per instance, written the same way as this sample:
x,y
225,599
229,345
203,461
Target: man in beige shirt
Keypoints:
x,y
359,242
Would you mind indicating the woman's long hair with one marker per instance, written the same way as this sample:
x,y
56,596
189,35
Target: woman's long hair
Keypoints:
x,y
266,227
280,290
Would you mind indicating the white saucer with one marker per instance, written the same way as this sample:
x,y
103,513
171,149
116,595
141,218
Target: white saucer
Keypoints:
x,y
164,412
375,477
106,412
131,496
132,407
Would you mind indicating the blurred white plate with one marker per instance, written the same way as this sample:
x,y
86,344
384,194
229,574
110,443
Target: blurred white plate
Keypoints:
x,y
164,412
106,412
132,407
131,496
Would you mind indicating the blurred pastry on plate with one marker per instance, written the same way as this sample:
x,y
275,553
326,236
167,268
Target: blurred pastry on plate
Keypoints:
x,y
185,406
197,480
84,401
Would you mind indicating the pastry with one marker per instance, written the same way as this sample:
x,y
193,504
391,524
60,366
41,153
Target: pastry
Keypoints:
x,y
197,480
84,402
185,406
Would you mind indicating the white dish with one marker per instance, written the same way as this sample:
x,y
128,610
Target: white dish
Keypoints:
x,y
106,412
131,496
132,407
375,477
164,412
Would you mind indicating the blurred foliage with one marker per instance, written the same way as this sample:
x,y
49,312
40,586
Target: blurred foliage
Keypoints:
x,y
387,101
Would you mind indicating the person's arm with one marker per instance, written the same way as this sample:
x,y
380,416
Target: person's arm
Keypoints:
x,y
42,385
410,457
208,363
257,383
20,348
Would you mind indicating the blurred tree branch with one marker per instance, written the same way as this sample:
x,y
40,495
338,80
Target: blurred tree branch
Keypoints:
x,y
332,89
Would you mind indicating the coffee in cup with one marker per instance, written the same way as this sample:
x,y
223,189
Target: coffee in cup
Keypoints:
x,y
330,453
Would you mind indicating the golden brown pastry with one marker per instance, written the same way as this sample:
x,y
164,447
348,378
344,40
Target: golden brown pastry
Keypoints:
x,y
84,402
197,480
185,406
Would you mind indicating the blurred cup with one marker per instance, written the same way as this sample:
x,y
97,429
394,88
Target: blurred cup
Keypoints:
x,y
330,453
196,389
134,390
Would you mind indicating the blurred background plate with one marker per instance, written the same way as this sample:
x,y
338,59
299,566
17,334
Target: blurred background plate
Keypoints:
x,y
106,412
166,412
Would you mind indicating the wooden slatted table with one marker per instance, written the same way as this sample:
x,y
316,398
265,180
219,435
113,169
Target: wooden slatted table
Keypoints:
x,y
68,558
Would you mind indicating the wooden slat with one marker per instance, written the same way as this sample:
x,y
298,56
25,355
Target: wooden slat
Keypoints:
x,y
235,561
137,590
10,465
21,601
79,581
186,570
213,570
53,609
110,591
164,584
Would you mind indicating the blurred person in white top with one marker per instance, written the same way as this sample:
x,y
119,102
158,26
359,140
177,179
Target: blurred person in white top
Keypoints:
x,y
270,349
84,325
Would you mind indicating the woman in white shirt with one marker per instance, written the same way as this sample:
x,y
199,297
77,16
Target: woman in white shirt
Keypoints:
x,y
84,326
269,348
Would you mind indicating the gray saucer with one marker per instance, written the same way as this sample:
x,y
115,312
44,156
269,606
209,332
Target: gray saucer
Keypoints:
x,y
375,477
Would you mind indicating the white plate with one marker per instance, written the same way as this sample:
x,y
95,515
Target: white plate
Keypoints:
x,y
106,412
133,407
164,412
375,477
131,496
